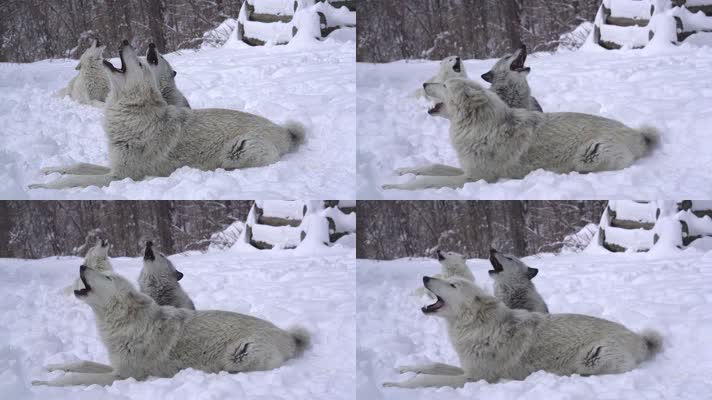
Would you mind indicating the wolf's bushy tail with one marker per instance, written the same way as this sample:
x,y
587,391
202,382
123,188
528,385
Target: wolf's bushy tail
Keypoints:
x,y
301,337
653,342
296,132
651,136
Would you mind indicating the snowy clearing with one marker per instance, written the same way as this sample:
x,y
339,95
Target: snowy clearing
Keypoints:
x,y
670,294
314,85
42,325
667,89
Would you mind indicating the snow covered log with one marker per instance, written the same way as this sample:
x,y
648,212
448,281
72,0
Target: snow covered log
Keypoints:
x,y
275,21
638,226
284,223
634,23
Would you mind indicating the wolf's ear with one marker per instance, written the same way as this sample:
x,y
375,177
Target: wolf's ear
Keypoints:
x,y
179,275
531,272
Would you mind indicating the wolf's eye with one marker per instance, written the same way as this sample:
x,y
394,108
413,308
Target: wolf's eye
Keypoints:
x,y
453,285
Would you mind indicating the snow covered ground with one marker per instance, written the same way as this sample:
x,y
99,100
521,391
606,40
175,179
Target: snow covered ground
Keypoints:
x,y
314,85
666,88
41,325
671,294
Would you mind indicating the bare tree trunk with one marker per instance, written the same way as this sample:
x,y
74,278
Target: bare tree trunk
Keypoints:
x,y
155,23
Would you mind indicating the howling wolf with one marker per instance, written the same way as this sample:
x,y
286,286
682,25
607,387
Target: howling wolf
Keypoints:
x,y
91,86
148,137
494,342
494,141
159,280
144,339
509,80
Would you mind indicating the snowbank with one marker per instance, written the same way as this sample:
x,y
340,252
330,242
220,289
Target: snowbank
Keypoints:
x,y
41,325
667,294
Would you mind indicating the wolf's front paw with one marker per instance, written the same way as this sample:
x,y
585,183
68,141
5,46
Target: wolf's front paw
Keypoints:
x,y
405,171
50,170
404,368
53,367
37,186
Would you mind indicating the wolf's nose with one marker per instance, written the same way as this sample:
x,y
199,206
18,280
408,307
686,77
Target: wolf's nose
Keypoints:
x,y
125,42
425,85
426,279
492,250
82,268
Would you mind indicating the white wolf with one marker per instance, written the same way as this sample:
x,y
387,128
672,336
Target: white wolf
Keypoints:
x,y
509,80
454,266
159,280
91,86
148,137
494,141
144,339
513,284
96,258
450,67
494,342
165,76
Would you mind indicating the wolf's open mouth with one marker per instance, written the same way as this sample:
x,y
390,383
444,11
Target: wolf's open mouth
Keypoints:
x,y
433,307
518,63
87,288
111,67
456,67
152,56
495,264
436,108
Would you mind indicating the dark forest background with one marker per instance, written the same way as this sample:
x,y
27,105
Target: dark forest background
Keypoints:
x,y
32,30
435,29
36,229
395,229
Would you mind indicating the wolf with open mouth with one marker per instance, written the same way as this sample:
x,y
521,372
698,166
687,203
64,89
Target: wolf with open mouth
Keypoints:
x,y
494,342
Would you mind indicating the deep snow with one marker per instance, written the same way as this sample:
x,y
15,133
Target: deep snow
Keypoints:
x,y
671,294
313,84
666,88
41,325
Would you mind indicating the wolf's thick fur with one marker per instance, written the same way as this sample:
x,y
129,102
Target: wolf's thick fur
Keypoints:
x,y
454,265
147,137
159,280
96,258
144,339
509,80
450,67
165,76
513,284
494,342
495,141
91,86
